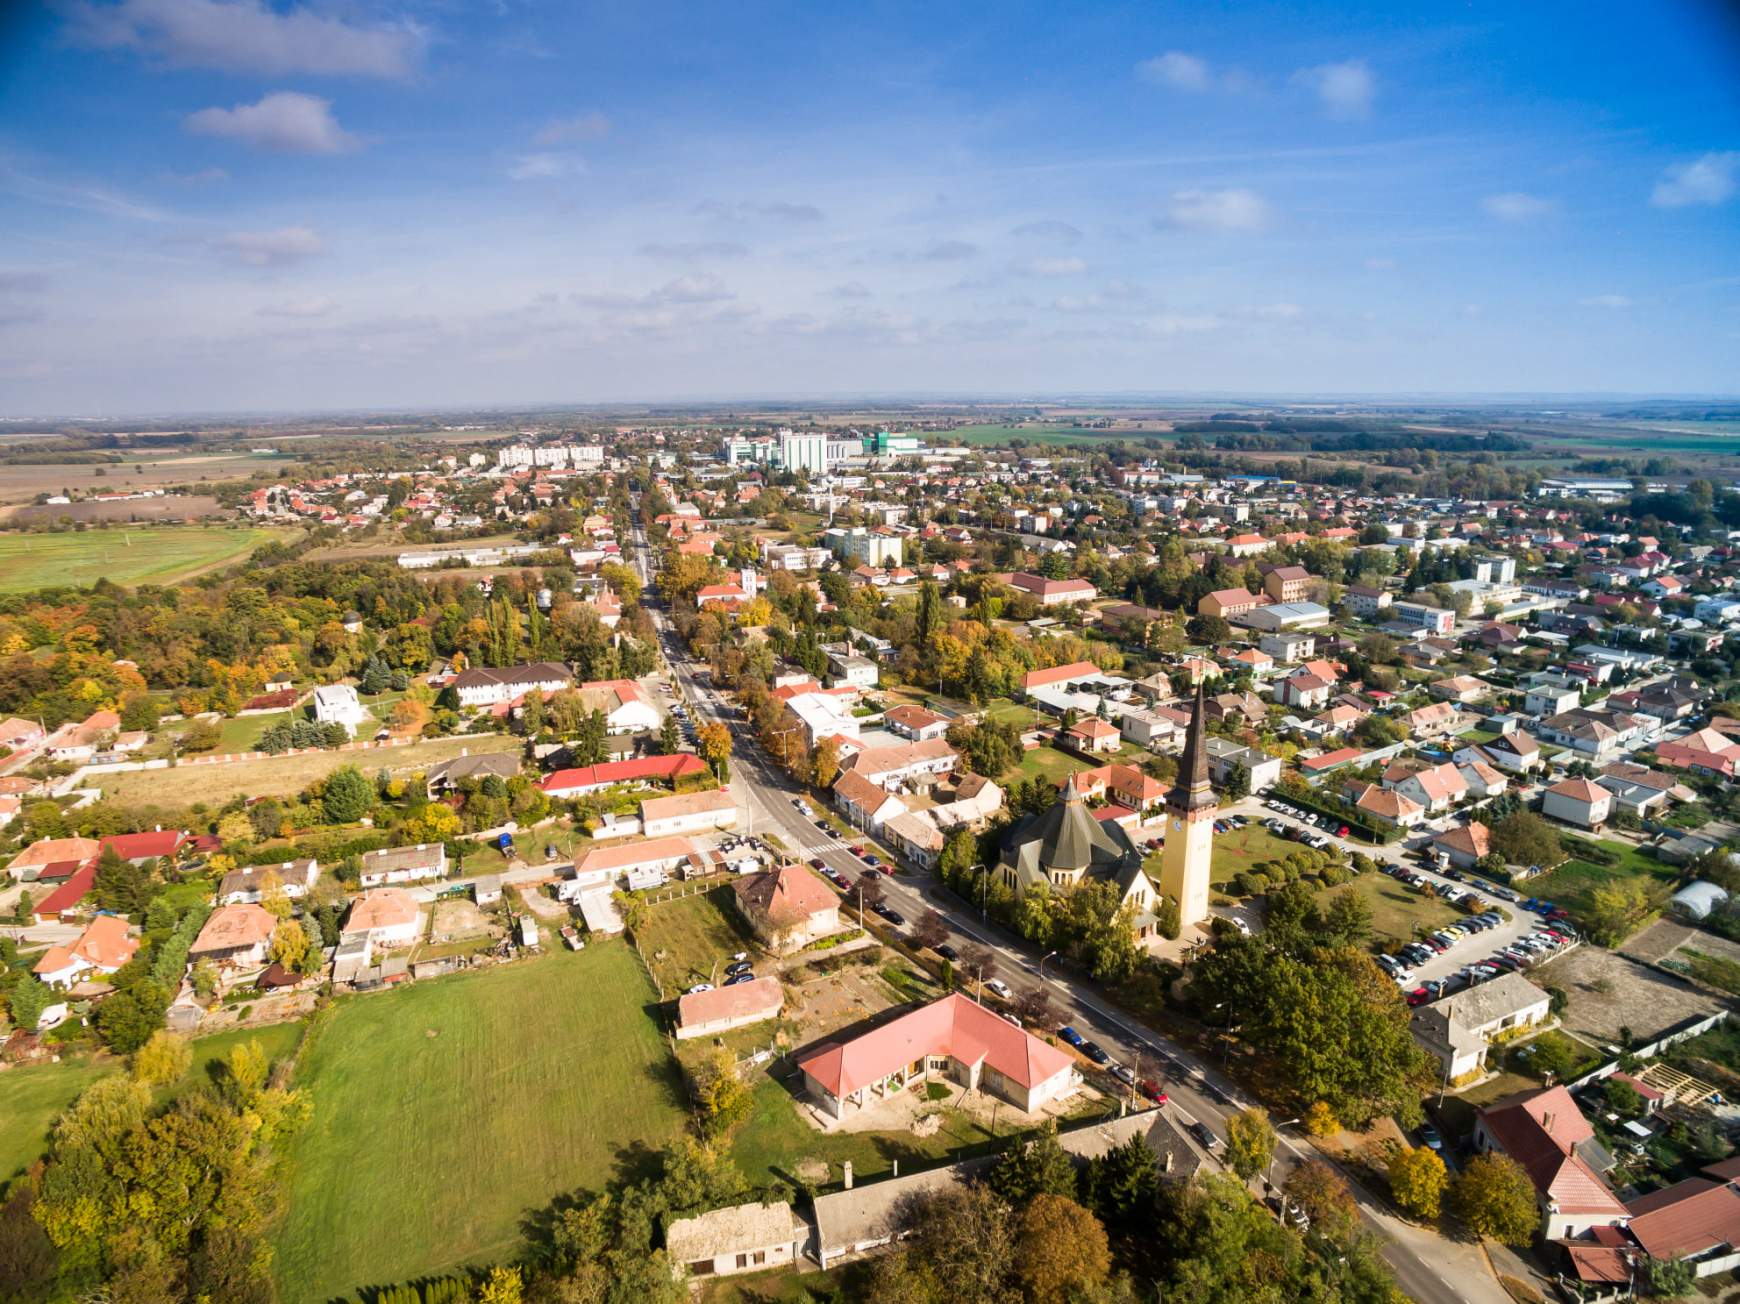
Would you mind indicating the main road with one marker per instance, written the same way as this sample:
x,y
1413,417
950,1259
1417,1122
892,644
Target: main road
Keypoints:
x,y
1428,1267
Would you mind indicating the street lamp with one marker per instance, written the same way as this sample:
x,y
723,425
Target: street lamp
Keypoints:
x,y
1042,960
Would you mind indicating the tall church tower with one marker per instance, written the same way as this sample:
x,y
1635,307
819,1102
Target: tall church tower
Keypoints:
x,y
1190,812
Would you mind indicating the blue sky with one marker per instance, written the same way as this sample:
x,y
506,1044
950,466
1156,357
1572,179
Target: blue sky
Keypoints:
x,y
237,205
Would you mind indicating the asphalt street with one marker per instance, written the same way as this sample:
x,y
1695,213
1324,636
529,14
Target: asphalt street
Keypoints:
x,y
1427,1267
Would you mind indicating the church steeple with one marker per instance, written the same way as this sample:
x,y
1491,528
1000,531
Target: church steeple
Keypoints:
x,y
1192,790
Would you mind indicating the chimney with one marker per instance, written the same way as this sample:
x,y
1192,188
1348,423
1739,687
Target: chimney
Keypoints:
x,y
897,1168
848,1174
1547,1123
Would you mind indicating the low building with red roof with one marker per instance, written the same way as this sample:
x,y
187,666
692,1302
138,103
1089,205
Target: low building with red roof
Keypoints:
x,y
705,1014
153,844
102,948
1074,672
955,1039
643,769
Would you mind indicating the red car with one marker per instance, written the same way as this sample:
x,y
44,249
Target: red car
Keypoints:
x,y
1151,1089
1419,996
818,863
857,849
1341,832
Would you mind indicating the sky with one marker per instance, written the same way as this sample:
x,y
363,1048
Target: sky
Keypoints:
x,y
243,205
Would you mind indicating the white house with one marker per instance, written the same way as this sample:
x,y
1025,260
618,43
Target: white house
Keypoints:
x,y
426,860
688,812
483,686
1460,1029
386,917
338,704
1577,801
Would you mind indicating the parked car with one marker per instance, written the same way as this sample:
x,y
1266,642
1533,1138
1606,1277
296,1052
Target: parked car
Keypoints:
x,y
997,987
699,988
1151,1089
1430,1138
738,979
1095,1052
1123,1073
738,966
1071,1036
1205,1138
948,953
818,863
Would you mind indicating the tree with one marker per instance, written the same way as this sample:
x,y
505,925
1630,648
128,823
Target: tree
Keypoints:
x,y
590,745
670,738
721,1093
28,999
1168,918
1032,1164
1321,1192
1033,1007
1669,1278
713,741
981,962
1238,783
289,945
1417,1180
1320,1120
502,1287
1494,1197
273,896
966,1237
346,796
1524,838
825,763
1208,630
1061,1253
162,1059
1250,1142
120,885
126,1020
931,930
1616,910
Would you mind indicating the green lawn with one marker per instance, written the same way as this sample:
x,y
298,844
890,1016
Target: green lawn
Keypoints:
x,y
1572,883
1046,763
775,1140
446,1112
1398,912
126,555
1244,849
691,940
1001,708
33,1096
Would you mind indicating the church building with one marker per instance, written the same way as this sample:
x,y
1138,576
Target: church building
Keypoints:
x,y
1190,813
1065,846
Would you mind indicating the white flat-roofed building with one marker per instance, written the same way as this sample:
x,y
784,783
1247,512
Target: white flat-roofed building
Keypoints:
x,y
688,812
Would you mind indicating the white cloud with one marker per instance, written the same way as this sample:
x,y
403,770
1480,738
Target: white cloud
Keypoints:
x,y
249,36
1218,210
1346,90
280,248
565,131
544,167
1606,301
85,198
1180,71
1051,267
1515,206
313,306
287,122
1707,180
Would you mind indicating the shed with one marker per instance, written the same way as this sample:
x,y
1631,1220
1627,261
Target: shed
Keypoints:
x,y
1696,900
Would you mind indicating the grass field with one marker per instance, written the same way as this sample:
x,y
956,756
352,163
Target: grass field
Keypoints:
x,y
1244,849
775,1140
282,776
1397,912
1047,763
1572,883
690,941
142,555
21,482
446,1112
33,1096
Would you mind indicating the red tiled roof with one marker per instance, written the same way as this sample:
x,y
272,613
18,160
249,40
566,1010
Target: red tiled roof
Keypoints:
x,y
953,1026
677,765
790,894
1686,1218
152,844
730,1002
1058,674
68,895
1541,1132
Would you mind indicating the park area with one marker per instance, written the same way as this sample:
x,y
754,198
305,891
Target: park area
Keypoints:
x,y
446,1112
32,1096
124,554
1399,913
1243,849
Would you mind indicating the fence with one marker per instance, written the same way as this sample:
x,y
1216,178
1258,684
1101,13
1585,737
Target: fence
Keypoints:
x,y
1684,1032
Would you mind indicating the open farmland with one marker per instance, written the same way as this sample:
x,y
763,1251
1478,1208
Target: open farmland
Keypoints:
x,y
156,554
19,483
1049,434
466,1104
93,511
281,776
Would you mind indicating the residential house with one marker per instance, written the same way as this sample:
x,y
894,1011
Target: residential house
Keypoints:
x,y
387,917
865,805
1705,751
1388,807
1579,802
1303,690
1125,785
673,769
448,775
38,859
1367,602
1434,787
143,848
235,937
1050,593
1288,584
1459,688
916,723
426,860
1639,790
1436,720
914,763
624,706
101,949
1549,1137
787,908
1227,603
1224,756
246,884
1094,735
1461,1029
338,704
1061,676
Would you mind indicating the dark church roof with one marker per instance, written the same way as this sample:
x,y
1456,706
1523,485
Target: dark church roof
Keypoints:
x,y
1066,837
1192,790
